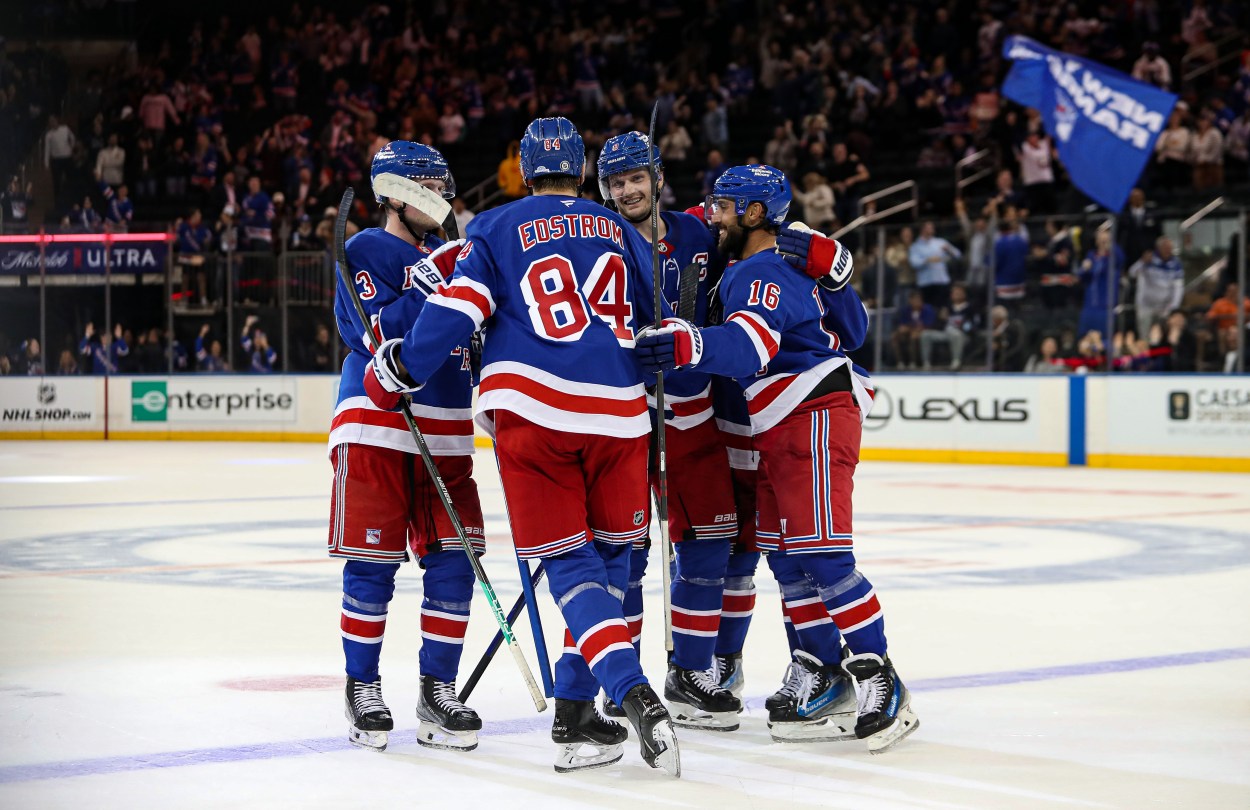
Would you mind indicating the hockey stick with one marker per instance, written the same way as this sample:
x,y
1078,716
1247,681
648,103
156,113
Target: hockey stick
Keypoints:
x,y
688,292
489,655
410,192
345,275
666,542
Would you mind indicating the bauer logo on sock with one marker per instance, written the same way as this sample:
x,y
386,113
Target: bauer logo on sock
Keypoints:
x,y
373,537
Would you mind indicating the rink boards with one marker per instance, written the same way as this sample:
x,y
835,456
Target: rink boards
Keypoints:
x,y
1180,422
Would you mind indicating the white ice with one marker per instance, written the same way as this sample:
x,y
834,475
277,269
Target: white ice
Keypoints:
x,y
169,638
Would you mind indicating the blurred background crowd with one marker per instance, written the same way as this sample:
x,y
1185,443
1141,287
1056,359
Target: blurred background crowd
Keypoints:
x,y
237,126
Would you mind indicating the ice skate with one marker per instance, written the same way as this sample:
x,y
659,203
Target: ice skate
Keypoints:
x,y
728,672
823,708
610,709
445,721
885,715
697,700
789,691
578,725
656,736
368,715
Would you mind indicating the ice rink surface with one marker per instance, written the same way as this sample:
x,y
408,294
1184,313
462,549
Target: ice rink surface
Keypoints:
x,y
169,638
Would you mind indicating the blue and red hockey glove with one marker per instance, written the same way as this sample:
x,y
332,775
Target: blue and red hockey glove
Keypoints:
x,y
675,343
825,260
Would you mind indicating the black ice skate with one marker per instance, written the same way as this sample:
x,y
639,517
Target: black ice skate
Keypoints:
x,y
651,720
578,725
823,707
445,721
789,691
699,701
610,709
728,672
885,715
370,719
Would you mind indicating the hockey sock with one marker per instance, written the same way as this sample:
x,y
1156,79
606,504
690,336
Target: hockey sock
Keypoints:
x,y
850,600
633,594
592,610
697,592
738,602
814,631
448,584
367,591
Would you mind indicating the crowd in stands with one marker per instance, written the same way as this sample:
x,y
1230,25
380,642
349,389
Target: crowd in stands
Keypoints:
x,y
244,126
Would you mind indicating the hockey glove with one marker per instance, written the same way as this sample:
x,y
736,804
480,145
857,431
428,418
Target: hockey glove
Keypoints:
x,y
385,380
816,255
674,344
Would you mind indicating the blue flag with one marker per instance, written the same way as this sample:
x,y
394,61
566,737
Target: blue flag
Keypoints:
x,y
1104,123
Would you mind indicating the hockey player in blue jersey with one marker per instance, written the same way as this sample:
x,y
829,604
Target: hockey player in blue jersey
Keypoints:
x,y
558,286
781,341
383,504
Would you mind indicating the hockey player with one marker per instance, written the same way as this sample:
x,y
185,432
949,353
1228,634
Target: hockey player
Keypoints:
x,y
558,285
806,405
383,502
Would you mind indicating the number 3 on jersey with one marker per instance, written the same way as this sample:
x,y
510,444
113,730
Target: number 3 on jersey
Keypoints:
x,y
558,310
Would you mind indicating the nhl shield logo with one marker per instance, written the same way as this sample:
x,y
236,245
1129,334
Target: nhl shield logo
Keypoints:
x,y
47,393
639,517
373,537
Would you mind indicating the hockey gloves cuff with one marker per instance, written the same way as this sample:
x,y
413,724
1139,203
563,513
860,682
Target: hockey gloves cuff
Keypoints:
x,y
385,379
816,255
673,344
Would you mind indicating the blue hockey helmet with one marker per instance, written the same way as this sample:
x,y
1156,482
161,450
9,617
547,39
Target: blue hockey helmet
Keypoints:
x,y
747,184
552,146
415,161
624,153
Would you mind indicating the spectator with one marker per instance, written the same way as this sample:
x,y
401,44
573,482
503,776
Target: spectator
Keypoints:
x,y
58,155
1152,68
847,173
1160,284
1208,154
1046,360
208,359
105,351
155,111
898,258
910,322
509,175
817,202
258,216
1011,260
121,211
1138,228
67,365
141,168
194,240
930,256
716,166
1010,340
1005,196
262,355
715,126
676,144
1036,173
1100,273
1172,152
110,163
178,168
1182,342
1223,318
16,202
149,355
451,126
321,353
979,237
225,193
958,324
303,238
463,215
782,149
29,359
83,218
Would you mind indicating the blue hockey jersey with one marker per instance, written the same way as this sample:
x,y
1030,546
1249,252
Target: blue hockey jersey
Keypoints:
x,y
385,269
558,285
782,335
687,392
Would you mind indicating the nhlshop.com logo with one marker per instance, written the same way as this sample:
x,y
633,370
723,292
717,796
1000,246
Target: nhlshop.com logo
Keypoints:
x,y
154,401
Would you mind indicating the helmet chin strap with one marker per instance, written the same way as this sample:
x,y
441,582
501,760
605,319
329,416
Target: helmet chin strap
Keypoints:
x,y
418,236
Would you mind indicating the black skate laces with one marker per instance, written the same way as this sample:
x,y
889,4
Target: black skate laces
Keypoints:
x,y
445,698
367,698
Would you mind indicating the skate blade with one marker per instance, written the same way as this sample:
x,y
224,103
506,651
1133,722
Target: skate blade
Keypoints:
x,y
432,735
369,740
831,728
687,716
902,728
668,757
570,760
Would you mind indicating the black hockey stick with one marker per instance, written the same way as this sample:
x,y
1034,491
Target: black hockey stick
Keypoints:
x,y
688,291
349,283
489,655
661,474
